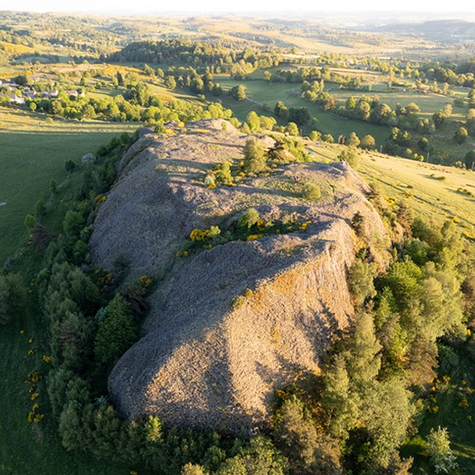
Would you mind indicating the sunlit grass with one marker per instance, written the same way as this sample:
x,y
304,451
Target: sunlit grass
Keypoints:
x,y
32,152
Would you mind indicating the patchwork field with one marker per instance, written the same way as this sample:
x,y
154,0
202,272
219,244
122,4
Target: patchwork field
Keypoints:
x,y
260,92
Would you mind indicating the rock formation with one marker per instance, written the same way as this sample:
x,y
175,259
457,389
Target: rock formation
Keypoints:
x,y
230,324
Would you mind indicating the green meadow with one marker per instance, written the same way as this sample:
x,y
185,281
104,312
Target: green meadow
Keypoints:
x,y
262,97
434,192
32,153
260,92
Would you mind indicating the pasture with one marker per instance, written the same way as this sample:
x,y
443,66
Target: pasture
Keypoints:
x,y
262,97
260,92
32,152
432,191
435,193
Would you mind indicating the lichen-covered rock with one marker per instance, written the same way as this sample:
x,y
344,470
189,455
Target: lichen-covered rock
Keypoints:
x,y
230,324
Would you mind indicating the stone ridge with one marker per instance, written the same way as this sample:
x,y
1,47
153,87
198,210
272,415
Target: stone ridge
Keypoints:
x,y
203,361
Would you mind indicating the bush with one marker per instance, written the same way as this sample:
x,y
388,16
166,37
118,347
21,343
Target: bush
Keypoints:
x,y
441,456
461,135
254,159
239,92
357,223
249,218
12,296
315,135
30,221
424,232
292,129
418,251
117,333
311,192
40,208
40,238
64,386
69,166
353,140
88,158
223,175
350,157
368,142
53,186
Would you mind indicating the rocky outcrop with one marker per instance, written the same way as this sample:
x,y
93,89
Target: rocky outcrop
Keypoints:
x,y
230,324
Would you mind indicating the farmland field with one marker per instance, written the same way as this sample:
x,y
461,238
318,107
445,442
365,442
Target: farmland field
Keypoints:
x,y
260,92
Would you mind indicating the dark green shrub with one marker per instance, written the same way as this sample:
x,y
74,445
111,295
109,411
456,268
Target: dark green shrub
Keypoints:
x,y
117,333
12,296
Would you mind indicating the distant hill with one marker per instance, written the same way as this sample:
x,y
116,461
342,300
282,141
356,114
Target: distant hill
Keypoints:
x,y
442,31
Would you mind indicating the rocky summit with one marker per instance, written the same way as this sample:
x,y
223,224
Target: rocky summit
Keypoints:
x,y
229,323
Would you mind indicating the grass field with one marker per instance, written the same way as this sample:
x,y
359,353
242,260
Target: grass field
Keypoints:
x,y
260,92
429,104
31,154
432,191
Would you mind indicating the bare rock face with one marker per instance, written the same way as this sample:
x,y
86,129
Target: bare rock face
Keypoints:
x,y
230,324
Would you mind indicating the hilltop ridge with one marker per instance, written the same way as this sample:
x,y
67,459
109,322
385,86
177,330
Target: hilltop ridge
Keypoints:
x,y
232,322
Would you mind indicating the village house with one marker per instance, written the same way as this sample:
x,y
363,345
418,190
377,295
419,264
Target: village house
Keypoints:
x,y
29,93
75,93
10,86
14,99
